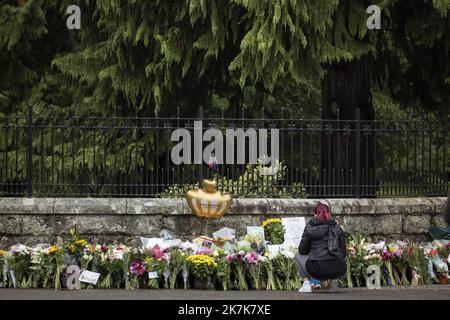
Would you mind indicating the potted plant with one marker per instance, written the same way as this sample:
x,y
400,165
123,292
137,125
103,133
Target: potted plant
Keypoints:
x,y
201,267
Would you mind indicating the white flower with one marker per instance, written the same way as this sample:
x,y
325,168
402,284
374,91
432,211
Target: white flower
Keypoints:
x,y
216,253
288,254
87,257
36,259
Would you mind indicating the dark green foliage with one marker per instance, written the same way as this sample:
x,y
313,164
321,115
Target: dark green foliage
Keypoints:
x,y
145,58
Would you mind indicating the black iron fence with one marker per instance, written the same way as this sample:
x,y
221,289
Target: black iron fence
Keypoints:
x,y
131,157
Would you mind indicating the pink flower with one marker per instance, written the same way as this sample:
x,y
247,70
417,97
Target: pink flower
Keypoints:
x,y
157,253
252,257
137,268
205,251
386,255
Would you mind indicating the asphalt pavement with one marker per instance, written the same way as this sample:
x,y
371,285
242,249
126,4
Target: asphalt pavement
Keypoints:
x,y
434,292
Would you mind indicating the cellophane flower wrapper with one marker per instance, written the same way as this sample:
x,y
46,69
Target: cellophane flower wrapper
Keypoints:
x,y
223,269
254,267
238,269
177,260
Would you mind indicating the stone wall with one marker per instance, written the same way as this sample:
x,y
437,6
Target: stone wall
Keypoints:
x,y
31,221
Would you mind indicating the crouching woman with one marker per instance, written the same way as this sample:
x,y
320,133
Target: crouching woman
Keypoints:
x,y
322,250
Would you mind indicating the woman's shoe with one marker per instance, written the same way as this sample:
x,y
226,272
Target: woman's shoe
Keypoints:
x,y
306,287
315,284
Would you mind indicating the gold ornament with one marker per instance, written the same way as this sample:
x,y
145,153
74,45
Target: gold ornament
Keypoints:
x,y
208,202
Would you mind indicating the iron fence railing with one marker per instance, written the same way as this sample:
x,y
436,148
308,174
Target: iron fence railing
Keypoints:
x,y
131,157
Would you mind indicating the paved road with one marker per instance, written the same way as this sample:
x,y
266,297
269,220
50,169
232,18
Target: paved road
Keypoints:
x,y
399,293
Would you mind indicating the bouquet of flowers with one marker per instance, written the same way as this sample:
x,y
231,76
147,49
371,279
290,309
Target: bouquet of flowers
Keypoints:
x,y
400,263
440,263
57,254
283,265
268,267
19,262
254,267
417,261
43,266
75,246
444,251
88,260
256,243
177,259
292,275
110,267
137,271
273,230
238,269
223,269
387,257
356,265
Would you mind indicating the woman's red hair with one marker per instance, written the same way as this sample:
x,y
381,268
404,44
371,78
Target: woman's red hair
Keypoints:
x,y
322,212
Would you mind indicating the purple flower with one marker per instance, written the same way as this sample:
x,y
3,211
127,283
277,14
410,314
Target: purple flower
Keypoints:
x,y
137,268
239,256
386,255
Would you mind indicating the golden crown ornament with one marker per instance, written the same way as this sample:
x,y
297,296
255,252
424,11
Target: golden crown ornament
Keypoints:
x,y
208,202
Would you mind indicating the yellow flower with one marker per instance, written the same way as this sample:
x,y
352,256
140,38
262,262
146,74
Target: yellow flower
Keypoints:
x,y
52,249
202,260
3,253
91,248
148,260
72,248
270,221
81,242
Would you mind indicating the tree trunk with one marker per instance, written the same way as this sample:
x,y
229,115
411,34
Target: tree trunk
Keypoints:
x,y
347,155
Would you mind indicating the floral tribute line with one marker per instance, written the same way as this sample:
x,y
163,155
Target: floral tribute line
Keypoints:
x,y
212,263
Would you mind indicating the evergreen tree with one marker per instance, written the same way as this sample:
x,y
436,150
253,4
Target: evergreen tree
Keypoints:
x,y
157,53
31,35
406,56
141,58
